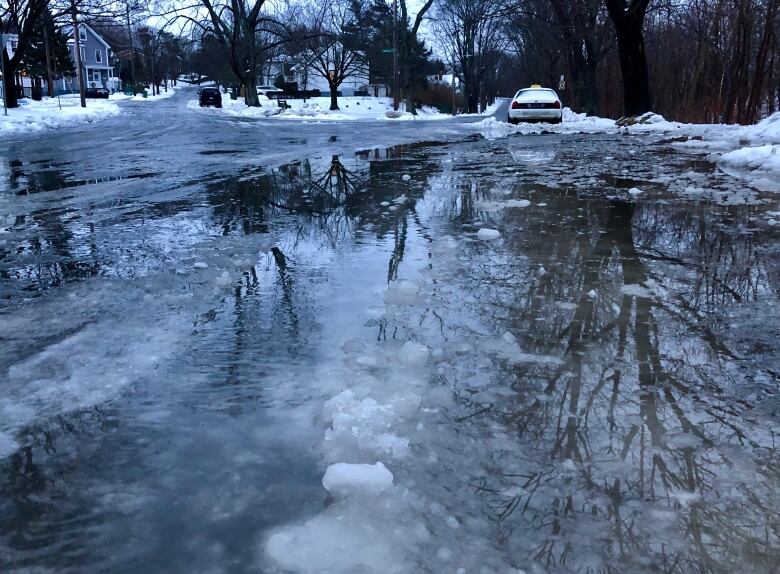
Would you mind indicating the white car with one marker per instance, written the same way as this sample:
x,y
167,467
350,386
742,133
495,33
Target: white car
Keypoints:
x,y
536,104
266,90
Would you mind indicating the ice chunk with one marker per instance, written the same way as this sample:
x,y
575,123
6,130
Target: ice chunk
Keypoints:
x,y
592,294
406,177
518,203
636,290
7,445
413,353
402,293
634,191
488,234
353,346
224,280
342,479
200,265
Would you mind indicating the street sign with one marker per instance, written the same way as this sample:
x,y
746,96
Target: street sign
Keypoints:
x,y
388,51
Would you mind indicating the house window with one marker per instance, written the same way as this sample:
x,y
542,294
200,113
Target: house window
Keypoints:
x,y
82,34
96,76
99,56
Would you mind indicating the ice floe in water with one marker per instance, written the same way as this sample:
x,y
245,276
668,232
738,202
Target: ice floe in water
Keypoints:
x,y
343,480
488,234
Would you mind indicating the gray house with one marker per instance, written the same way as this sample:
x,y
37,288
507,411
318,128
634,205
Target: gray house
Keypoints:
x,y
96,58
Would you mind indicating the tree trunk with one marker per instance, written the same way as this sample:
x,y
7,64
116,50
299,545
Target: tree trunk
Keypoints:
x,y
590,91
49,75
9,86
633,66
36,90
629,22
334,96
250,91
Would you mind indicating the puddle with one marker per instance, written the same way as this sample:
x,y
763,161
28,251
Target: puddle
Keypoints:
x,y
598,390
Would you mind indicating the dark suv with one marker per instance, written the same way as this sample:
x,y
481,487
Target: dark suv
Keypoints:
x,y
96,93
210,97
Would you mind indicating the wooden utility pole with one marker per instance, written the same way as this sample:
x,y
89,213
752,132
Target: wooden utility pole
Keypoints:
x,y
132,48
77,48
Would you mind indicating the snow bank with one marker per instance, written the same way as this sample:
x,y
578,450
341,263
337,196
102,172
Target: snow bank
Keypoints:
x,y
765,158
318,109
163,95
32,116
491,128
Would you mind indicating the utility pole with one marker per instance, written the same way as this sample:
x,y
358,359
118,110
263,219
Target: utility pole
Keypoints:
x,y
49,79
132,48
395,55
77,48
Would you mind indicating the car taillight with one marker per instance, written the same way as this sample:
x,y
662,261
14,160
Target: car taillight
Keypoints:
x,y
557,105
515,106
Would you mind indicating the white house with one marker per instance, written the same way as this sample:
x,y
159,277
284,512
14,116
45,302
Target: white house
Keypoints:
x,y
308,78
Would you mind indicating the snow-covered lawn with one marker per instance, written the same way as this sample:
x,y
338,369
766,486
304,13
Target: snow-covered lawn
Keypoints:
x,y
32,116
351,108
149,98
753,149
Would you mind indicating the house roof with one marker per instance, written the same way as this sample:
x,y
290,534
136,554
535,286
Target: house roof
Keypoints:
x,y
69,30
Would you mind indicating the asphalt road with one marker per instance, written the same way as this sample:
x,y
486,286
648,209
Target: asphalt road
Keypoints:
x,y
199,314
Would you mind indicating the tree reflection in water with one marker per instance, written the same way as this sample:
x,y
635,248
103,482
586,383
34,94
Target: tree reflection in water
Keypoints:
x,y
643,449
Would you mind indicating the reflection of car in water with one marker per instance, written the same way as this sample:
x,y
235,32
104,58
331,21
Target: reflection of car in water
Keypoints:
x,y
535,104
210,97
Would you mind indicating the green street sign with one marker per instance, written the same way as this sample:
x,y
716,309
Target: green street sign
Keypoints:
x,y
388,51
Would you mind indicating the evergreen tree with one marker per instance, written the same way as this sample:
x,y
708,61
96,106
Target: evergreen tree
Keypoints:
x,y
33,63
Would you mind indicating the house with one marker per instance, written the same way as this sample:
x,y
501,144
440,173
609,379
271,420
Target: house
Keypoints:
x,y
307,78
96,62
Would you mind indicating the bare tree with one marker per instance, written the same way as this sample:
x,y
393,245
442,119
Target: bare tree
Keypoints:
x,y
245,29
475,29
335,48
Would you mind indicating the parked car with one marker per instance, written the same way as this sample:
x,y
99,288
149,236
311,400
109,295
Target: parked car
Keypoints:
x,y
536,104
96,93
268,91
210,97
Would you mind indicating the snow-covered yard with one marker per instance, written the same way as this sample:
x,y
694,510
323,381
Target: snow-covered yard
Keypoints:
x,y
351,108
49,113
164,94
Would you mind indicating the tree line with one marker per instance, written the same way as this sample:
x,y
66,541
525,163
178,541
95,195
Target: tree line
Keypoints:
x,y
692,60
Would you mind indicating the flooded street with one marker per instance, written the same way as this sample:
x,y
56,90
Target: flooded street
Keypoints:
x,y
561,376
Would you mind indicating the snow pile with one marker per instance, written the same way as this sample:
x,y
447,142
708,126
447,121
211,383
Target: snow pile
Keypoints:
x,y
32,116
318,109
763,157
491,128
757,158
164,94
